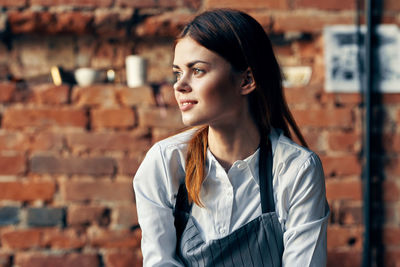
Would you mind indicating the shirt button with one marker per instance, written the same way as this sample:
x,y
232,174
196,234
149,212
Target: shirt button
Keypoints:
x,y
240,165
222,231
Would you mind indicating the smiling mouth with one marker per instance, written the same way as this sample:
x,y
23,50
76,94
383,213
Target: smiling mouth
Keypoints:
x,y
186,105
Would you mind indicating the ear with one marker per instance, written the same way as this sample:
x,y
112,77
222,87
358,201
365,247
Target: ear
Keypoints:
x,y
248,84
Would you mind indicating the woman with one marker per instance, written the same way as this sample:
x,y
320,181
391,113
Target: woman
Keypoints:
x,y
235,190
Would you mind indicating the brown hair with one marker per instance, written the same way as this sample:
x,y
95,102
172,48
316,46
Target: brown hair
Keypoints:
x,y
242,41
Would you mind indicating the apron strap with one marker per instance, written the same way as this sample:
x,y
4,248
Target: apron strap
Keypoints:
x,y
181,212
265,176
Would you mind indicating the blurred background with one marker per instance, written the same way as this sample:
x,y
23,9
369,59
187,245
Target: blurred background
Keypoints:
x,y
73,129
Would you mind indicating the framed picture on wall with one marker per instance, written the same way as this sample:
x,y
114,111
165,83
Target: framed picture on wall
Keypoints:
x,y
345,58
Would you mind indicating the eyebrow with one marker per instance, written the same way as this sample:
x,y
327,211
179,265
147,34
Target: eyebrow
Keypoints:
x,y
191,64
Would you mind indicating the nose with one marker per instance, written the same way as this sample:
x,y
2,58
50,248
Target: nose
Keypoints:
x,y
182,85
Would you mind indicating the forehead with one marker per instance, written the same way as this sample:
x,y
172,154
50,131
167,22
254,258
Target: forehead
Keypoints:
x,y
188,50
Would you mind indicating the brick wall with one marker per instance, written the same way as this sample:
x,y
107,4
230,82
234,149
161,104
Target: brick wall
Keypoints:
x,y
68,153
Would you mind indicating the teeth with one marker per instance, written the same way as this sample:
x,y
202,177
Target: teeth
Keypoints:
x,y
186,103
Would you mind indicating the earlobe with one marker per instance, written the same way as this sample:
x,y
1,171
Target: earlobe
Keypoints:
x,y
248,82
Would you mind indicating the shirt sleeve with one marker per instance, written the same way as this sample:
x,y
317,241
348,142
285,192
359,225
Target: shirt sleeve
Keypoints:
x,y
155,211
307,218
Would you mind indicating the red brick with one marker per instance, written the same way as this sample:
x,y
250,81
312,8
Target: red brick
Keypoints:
x,y
392,257
73,22
50,94
123,258
159,56
113,118
389,142
80,214
135,140
350,214
392,98
13,3
343,189
166,96
94,95
393,166
327,4
341,99
329,117
307,50
5,260
391,236
301,22
250,4
111,22
136,96
391,5
344,141
13,141
12,164
23,21
63,239
160,117
73,165
334,165
129,165
341,237
37,259
6,91
75,3
348,258
391,192
146,3
48,141
125,216
27,191
97,190
167,24
193,4
104,57
43,117
303,95
100,237
21,239
315,140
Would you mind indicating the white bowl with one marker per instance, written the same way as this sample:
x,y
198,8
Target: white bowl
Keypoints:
x,y
86,76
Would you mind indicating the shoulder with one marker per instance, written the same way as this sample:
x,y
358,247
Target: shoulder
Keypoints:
x,y
163,168
175,142
288,153
295,164
170,149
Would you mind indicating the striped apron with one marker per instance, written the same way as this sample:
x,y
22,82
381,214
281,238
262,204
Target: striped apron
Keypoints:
x,y
257,243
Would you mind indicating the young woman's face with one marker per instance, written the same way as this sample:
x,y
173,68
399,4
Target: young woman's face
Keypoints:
x,y
207,89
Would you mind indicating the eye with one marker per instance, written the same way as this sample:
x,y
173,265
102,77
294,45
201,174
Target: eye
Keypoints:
x,y
197,71
177,75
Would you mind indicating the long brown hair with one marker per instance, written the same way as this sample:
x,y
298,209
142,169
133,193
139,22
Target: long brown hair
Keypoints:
x,y
241,40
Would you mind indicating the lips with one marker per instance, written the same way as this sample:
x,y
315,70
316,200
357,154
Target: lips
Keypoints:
x,y
185,105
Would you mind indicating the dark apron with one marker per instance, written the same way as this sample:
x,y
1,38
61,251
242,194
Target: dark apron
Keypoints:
x,y
257,243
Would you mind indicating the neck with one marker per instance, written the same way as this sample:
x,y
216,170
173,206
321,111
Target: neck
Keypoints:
x,y
230,143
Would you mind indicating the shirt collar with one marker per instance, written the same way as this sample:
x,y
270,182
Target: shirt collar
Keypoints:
x,y
251,160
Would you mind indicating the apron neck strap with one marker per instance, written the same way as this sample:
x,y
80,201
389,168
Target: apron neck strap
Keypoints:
x,y
265,176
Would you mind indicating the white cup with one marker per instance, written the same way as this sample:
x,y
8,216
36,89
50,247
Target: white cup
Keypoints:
x,y
135,70
86,76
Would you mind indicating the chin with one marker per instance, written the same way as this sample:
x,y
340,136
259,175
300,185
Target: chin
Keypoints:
x,y
191,122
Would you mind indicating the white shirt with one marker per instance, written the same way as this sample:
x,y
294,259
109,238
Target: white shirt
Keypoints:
x,y
233,199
